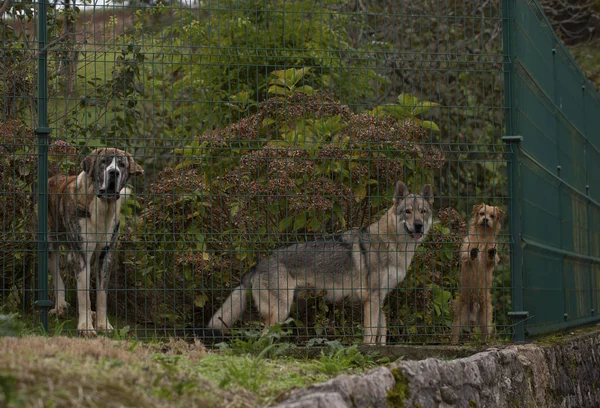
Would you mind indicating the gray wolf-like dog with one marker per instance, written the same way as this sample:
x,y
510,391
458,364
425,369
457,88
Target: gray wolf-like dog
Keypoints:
x,y
84,217
364,265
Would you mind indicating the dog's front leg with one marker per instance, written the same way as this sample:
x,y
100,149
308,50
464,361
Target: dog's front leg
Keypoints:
x,y
461,312
369,332
485,318
102,323
382,326
81,261
60,304
372,311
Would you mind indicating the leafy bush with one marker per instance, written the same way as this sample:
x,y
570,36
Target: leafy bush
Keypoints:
x,y
302,166
276,161
224,52
10,326
18,171
18,183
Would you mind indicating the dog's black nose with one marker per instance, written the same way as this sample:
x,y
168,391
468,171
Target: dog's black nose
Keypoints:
x,y
113,172
418,226
485,222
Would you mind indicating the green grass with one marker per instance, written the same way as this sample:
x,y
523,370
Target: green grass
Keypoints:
x,y
66,371
265,377
57,370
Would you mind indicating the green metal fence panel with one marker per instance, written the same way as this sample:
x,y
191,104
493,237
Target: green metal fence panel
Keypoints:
x,y
554,108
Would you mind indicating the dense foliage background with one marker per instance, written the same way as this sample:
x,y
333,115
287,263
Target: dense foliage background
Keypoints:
x,y
261,123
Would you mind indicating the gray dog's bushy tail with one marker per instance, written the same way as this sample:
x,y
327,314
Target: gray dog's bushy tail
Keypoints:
x,y
233,307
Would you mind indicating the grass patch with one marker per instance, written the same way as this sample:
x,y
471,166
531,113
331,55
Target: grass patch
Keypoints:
x,y
267,378
64,371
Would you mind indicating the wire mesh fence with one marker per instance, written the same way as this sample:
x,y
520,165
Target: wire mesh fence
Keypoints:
x,y
270,138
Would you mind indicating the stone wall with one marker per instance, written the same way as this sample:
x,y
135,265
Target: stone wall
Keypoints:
x,y
563,373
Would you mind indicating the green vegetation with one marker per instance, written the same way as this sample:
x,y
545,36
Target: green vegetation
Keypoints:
x,y
259,124
10,326
255,131
62,371
397,395
587,55
302,166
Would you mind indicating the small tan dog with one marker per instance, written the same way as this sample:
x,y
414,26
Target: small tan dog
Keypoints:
x,y
477,260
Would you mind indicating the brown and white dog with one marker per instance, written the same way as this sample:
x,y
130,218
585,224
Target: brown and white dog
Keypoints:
x,y
84,217
477,260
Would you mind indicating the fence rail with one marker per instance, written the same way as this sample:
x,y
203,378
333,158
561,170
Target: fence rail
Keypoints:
x,y
274,124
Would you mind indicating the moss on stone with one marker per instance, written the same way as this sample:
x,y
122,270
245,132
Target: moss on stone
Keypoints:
x,y
400,392
561,336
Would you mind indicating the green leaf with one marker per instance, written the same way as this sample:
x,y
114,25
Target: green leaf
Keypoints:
x,y
277,90
300,222
235,207
395,111
279,74
314,224
293,75
337,209
200,300
427,124
407,100
423,107
360,192
332,125
308,90
278,81
285,223
241,97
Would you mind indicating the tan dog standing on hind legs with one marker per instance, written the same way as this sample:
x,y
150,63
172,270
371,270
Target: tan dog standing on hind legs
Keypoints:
x,y
364,265
478,258
84,217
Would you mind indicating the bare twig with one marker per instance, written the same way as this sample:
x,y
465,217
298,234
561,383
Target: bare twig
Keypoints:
x,y
575,21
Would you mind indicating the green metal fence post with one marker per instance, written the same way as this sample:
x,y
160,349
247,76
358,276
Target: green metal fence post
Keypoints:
x,y
42,131
514,142
516,252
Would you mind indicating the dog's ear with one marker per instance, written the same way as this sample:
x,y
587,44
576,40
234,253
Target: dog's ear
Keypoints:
x,y
400,193
477,207
134,168
88,163
427,193
499,213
